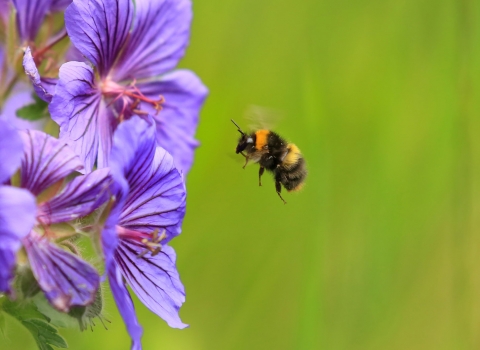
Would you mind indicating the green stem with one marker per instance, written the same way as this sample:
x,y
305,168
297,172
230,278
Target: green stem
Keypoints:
x,y
9,87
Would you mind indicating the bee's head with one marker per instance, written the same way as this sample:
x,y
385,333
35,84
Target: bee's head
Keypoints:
x,y
244,141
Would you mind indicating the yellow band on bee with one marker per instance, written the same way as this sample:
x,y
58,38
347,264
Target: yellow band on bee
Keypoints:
x,y
261,138
292,155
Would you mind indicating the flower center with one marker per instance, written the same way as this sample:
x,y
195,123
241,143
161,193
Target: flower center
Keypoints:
x,y
151,242
128,97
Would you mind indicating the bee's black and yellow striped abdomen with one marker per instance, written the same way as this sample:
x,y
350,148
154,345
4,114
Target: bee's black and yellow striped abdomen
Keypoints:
x,y
292,171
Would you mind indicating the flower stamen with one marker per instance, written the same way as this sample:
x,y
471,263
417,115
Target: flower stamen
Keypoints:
x,y
157,104
131,97
151,241
153,246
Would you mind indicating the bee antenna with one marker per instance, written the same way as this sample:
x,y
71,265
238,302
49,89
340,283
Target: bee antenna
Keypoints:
x,y
239,130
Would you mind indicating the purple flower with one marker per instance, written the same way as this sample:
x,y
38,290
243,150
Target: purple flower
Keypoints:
x,y
65,279
130,77
17,206
148,212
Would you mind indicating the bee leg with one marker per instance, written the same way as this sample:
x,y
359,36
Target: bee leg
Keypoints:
x,y
278,187
260,173
246,162
243,154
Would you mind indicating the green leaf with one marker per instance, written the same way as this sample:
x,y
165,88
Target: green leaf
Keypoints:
x,y
37,323
23,311
44,334
57,318
34,111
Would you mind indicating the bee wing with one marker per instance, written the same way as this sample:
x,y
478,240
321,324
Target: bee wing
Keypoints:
x,y
260,117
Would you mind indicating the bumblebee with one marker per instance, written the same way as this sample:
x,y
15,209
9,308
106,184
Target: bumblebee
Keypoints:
x,y
276,155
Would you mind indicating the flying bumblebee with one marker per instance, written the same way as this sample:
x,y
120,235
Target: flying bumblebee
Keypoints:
x,y
273,153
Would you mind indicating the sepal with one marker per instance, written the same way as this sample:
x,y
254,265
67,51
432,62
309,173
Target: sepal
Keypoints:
x,y
26,283
86,314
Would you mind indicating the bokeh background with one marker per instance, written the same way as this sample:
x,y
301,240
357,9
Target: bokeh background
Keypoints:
x,y
381,250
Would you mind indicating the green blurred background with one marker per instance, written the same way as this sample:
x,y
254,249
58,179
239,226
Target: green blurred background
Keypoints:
x,y
381,250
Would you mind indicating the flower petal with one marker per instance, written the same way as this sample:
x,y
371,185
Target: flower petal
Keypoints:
x,y
59,5
11,151
73,54
133,150
84,120
65,279
44,87
4,12
154,279
177,122
158,40
17,216
99,28
125,306
157,203
30,15
119,191
79,198
46,161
